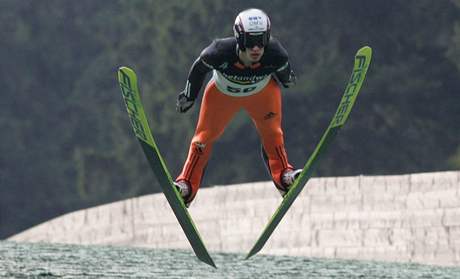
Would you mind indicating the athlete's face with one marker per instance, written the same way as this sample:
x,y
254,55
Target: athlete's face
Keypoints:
x,y
254,54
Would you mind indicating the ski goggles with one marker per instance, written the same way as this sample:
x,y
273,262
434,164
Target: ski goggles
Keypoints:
x,y
255,39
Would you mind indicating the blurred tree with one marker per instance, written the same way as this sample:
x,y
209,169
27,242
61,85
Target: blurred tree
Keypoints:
x,y
66,140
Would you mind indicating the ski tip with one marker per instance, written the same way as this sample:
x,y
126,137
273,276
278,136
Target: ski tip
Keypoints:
x,y
366,50
125,69
126,75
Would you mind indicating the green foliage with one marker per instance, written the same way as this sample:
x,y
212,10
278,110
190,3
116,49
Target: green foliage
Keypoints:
x,y
66,140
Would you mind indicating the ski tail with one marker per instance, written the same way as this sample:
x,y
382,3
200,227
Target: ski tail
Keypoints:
x,y
128,83
295,190
362,60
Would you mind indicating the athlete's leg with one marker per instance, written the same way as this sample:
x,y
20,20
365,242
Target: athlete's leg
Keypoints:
x,y
216,111
265,111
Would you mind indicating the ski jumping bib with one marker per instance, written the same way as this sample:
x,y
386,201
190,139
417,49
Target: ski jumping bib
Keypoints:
x,y
239,88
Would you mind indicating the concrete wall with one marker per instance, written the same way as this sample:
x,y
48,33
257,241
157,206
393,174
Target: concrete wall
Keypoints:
x,y
405,218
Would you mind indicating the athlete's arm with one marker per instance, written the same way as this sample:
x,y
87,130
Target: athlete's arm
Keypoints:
x,y
196,77
195,80
284,73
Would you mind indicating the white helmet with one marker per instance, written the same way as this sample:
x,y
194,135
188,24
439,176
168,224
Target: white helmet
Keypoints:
x,y
252,27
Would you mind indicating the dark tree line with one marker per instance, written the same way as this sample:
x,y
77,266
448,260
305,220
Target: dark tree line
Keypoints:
x,y
66,142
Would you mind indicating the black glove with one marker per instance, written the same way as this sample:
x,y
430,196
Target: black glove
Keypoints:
x,y
286,77
183,103
291,80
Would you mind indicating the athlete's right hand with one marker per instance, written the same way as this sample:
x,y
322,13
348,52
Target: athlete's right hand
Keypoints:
x,y
183,103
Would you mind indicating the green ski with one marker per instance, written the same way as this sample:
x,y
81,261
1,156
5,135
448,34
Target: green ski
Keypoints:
x,y
361,64
129,88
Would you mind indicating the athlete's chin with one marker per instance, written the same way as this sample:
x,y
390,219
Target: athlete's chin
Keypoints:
x,y
255,57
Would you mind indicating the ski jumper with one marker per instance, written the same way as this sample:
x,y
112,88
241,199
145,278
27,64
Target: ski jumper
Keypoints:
x,y
233,87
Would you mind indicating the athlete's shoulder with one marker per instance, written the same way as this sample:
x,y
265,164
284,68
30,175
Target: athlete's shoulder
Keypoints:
x,y
219,50
276,52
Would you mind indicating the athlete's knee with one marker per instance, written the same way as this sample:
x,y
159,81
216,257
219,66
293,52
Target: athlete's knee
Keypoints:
x,y
273,136
205,137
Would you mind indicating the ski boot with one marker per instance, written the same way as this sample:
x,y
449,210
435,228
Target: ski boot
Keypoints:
x,y
287,179
185,191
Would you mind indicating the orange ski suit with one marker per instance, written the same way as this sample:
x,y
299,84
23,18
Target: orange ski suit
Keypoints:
x,y
217,109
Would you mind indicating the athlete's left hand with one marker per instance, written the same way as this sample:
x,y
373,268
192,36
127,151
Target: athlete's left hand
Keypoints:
x,y
291,80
